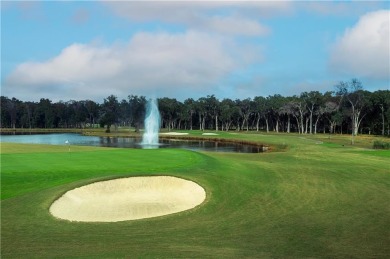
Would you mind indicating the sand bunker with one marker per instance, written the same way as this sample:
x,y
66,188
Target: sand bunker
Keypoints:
x,y
209,134
128,199
174,133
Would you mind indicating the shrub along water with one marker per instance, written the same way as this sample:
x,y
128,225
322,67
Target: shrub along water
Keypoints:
x,y
381,145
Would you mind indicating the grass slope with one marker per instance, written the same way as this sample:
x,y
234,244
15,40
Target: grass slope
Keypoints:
x,y
44,166
314,200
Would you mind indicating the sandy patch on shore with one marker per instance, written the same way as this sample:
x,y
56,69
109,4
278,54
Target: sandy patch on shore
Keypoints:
x,y
210,134
128,199
174,133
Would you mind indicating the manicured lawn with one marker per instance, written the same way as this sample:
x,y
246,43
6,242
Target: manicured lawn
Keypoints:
x,y
48,166
317,198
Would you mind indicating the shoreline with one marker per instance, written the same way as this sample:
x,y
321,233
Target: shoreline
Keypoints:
x,y
130,134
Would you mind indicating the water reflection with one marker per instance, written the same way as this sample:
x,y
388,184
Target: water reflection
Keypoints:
x,y
129,142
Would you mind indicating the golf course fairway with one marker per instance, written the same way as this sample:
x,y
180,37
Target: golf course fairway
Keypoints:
x,y
317,198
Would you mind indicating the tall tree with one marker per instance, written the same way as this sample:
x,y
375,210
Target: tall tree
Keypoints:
x,y
312,100
287,109
13,108
93,111
109,112
213,108
137,109
245,109
28,114
61,110
190,109
380,100
269,112
124,113
353,93
4,118
201,108
275,103
183,116
81,113
227,111
332,114
168,109
44,114
260,108
298,107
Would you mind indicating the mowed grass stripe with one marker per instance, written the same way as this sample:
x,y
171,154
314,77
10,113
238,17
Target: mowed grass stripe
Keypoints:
x,y
12,148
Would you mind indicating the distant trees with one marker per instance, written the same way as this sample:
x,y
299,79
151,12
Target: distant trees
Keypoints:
x,y
228,110
259,109
213,109
135,111
201,112
348,109
169,110
93,112
298,110
380,107
245,109
332,114
189,110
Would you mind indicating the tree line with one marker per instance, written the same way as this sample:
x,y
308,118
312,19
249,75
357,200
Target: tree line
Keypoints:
x,y
347,109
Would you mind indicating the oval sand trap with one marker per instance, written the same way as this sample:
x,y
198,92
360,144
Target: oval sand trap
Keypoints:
x,y
128,199
174,133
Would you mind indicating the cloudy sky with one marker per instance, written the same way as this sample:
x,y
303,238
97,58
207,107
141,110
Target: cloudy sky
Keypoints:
x,y
91,49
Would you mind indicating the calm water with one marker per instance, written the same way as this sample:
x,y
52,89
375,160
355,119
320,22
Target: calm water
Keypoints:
x,y
127,142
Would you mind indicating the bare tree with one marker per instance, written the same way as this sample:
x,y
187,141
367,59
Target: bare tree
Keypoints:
x,y
354,95
312,100
298,107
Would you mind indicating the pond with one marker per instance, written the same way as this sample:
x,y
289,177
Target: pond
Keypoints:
x,y
129,142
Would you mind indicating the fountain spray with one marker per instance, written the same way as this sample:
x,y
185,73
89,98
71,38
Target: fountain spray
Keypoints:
x,y
152,124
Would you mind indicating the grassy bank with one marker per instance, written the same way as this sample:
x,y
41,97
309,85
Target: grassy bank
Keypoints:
x,y
319,198
41,130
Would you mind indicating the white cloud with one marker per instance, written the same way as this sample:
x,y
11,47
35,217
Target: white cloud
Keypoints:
x,y
185,11
226,17
364,49
148,64
339,8
80,16
237,26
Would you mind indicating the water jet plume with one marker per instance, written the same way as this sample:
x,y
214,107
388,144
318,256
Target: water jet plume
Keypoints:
x,y
152,124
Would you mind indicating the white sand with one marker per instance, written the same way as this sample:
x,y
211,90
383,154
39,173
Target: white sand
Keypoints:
x,y
210,134
174,133
128,199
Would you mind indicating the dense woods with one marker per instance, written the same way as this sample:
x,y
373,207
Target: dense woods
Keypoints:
x,y
347,109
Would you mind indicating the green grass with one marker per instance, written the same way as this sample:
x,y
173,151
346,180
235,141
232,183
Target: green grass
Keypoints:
x,y
45,166
311,200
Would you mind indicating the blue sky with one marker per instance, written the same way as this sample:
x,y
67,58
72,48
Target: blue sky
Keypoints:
x,y
185,49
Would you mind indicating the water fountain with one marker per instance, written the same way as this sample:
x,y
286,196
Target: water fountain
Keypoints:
x,y
152,124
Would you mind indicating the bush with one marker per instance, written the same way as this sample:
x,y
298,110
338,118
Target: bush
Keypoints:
x,y
381,145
